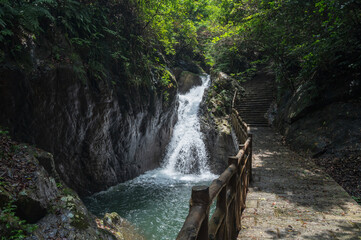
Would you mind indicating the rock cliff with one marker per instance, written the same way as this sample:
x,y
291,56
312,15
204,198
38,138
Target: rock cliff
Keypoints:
x,y
99,132
318,118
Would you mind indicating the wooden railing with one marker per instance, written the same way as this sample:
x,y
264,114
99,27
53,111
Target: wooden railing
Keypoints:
x,y
241,129
229,190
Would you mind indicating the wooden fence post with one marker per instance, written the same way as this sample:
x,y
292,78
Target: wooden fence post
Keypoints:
x,y
234,213
222,205
243,184
200,196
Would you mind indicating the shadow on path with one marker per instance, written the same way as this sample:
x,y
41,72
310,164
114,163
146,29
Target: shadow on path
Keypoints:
x,y
291,198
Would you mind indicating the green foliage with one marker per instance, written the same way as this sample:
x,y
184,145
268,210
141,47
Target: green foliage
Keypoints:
x,y
96,32
15,228
220,95
3,132
302,41
357,199
166,81
25,14
175,24
59,185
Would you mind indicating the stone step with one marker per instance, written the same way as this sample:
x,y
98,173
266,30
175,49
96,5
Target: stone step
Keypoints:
x,y
258,124
257,117
256,99
259,90
253,106
254,111
250,99
252,103
257,95
255,88
251,119
253,116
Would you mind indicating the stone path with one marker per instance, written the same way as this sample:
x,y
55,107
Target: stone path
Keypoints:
x,y
291,198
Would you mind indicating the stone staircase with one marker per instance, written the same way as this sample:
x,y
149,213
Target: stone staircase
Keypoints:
x,y
257,99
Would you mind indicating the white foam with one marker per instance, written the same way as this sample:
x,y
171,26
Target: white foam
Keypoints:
x,y
186,157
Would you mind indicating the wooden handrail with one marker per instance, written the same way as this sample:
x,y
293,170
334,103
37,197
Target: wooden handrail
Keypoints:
x,y
229,190
234,99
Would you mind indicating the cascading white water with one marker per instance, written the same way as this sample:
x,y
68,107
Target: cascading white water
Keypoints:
x,y
186,153
158,201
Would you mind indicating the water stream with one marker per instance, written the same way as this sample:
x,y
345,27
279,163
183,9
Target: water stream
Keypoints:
x,y
157,202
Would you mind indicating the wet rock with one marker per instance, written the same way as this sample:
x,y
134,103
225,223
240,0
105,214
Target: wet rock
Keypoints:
x,y
112,219
119,227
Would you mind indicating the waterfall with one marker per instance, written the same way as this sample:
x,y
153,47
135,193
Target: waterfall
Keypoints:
x,y
157,201
186,153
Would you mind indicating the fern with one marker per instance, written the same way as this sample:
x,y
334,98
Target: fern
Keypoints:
x,y
48,2
30,15
97,70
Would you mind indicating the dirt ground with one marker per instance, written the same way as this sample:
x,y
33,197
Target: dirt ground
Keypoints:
x,y
344,166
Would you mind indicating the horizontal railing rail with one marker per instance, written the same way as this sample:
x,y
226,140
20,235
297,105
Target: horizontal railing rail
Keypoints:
x,y
229,191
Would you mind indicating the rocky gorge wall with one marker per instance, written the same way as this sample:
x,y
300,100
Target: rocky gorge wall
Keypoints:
x,y
317,119
215,121
99,135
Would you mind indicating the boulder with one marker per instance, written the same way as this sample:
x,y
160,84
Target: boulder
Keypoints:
x,y
188,80
215,125
119,227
